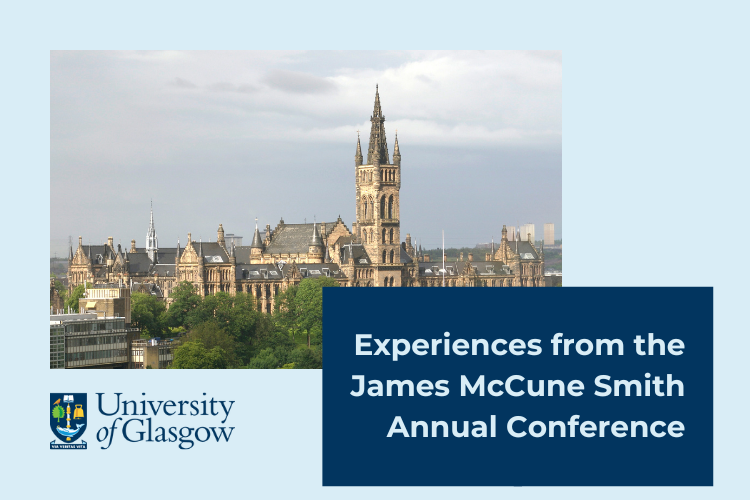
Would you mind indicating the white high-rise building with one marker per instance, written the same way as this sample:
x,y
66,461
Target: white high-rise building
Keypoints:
x,y
527,229
511,233
549,234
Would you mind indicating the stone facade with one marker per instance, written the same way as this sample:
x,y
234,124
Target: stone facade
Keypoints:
x,y
370,254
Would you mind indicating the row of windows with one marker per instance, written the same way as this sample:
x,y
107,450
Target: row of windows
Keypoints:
x,y
101,340
86,356
95,326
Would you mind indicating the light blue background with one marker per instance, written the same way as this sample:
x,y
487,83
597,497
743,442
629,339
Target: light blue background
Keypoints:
x,y
655,188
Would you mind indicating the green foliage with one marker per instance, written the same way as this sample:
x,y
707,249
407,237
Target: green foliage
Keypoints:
x,y
265,360
185,301
307,358
147,313
288,366
77,294
194,355
58,413
291,338
211,335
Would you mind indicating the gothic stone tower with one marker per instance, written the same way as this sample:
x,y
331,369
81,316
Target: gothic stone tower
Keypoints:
x,y
378,184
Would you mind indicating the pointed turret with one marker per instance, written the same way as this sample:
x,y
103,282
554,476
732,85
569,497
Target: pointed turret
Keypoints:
x,y
358,155
177,255
257,242
396,152
377,153
316,248
70,252
316,241
220,236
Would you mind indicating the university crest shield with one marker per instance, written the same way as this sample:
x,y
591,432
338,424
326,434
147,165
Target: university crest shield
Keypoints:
x,y
68,418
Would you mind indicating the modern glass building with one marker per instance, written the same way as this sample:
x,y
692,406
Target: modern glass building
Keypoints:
x,y
87,341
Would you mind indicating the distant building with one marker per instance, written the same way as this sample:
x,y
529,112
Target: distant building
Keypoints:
x,y
233,240
527,229
107,300
152,353
370,253
549,234
88,341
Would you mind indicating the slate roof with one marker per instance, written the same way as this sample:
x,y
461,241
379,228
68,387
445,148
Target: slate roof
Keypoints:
x,y
213,253
242,255
358,252
102,250
162,269
316,270
260,271
482,268
524,247
138,263
291,238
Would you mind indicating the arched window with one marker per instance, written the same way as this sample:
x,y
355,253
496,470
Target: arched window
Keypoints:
x,y
391,240
364,209
385,281
384,257
371,238
382,207
383,235
372,208
390,207
391,280
392,256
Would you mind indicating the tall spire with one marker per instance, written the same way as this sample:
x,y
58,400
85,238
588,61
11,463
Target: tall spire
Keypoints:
x,y
378,148
152,243
358,154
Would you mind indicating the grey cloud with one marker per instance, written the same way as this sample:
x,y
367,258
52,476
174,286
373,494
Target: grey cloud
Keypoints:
x,y
182,83
299,83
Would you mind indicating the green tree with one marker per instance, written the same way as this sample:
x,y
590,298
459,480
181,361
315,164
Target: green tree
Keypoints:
x,y
147,313
185,301
309,304
77,294
194,355
211,335
307,358
58,413
265,360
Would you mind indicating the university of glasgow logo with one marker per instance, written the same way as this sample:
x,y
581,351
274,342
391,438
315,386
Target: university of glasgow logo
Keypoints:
x,y
68,419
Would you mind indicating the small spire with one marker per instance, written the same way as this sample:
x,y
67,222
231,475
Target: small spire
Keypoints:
x,y
358,155
257,242
316,241
200,247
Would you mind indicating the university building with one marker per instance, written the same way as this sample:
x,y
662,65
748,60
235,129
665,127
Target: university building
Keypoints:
x,y
370,253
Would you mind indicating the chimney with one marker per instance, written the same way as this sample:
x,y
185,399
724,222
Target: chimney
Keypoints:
x,y
426,258
461,256
471,257
132,246
488,257
110,242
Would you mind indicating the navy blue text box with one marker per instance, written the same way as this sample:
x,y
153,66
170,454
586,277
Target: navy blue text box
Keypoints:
x,y
357,451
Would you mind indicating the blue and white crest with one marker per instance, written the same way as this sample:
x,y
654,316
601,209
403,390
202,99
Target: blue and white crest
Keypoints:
x,y
68,420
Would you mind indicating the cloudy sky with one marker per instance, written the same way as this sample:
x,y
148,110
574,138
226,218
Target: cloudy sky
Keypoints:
x,y
224,137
